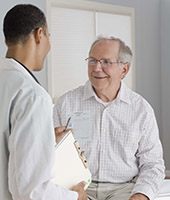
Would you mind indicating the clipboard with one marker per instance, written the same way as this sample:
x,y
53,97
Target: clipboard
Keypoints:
x,y
71,165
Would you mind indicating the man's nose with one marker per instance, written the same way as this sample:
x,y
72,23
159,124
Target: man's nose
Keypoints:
x,y
98,66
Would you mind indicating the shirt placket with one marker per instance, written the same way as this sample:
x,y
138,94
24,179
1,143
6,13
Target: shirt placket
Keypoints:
x,y
103,145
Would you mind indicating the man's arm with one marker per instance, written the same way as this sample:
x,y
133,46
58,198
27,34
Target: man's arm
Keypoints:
x,y
150,158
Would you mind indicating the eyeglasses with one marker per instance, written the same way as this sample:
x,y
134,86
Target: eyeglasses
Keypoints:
x,y
104,62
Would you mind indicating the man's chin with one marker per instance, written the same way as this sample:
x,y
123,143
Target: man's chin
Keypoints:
x,y
99,87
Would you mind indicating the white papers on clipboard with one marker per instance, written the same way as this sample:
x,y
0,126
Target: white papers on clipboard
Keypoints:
x,y
81,124
70,166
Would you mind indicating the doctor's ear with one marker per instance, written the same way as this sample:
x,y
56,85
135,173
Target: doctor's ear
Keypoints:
x,y
125,70
38,35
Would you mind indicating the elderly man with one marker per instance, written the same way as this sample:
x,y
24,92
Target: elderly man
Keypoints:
x,y
125,152
27,139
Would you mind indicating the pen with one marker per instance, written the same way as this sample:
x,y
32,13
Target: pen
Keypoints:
x,y
67,123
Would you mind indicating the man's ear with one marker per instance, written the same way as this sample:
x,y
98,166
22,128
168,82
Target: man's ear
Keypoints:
x,y
125,70
38,35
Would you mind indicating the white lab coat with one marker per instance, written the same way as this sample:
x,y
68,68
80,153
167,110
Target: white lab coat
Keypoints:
x,y
26,138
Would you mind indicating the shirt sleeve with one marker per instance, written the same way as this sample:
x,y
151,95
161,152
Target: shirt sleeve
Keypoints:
x,y
150,158
57,113
32,152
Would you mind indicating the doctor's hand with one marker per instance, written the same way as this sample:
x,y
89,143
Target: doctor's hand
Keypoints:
x,y
60,132
80,189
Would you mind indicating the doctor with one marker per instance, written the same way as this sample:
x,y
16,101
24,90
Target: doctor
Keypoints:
x,y
26,127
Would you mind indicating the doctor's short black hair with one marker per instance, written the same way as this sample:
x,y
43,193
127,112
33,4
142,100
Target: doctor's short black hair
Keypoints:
x,y
21,21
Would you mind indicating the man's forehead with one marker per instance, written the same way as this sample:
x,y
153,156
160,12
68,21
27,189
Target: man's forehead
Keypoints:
x,y
105,46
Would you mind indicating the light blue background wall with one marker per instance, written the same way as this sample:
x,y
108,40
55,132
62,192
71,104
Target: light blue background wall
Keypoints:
x,y
165,77
152,45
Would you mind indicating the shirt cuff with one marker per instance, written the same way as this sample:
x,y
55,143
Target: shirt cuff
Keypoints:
x,y
147,191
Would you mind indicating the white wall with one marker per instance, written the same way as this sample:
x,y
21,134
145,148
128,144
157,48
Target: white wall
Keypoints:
x,y
152,70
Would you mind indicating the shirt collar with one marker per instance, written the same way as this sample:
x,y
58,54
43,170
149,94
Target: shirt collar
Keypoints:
x,y
10,63
123,94
27,70
89,92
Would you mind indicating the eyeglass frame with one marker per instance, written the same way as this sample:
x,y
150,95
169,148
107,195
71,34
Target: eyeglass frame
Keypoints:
x,y
109,63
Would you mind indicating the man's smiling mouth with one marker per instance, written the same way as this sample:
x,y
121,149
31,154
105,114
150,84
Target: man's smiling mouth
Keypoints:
x,y
98,77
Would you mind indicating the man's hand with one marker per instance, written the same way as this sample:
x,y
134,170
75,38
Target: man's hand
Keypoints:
x,y
60,132
139,196
80,189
